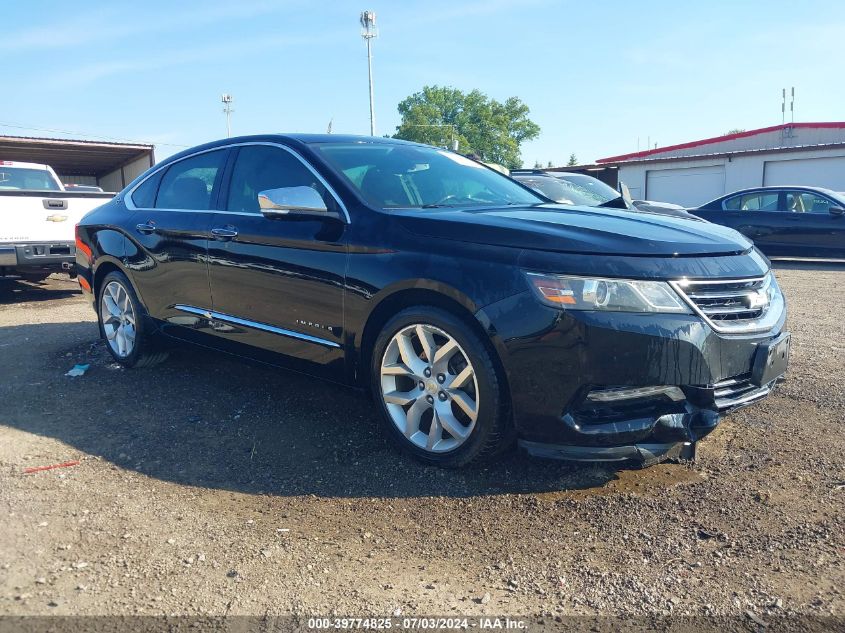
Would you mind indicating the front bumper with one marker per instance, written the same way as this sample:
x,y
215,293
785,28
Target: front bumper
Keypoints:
x,y
645,453
37,256
555,359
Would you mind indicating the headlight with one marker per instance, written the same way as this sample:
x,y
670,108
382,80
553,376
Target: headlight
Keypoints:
x,y
615,295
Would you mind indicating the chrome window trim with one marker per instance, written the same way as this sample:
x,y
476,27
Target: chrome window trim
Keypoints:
x,y
761,325
228,318
130,204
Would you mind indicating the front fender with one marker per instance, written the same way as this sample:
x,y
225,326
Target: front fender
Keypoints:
x,y
397,289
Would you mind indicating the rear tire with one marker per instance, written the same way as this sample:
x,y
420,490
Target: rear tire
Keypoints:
x,y
437,389
123,324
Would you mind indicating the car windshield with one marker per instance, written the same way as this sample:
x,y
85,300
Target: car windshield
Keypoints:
x,y
590,188
24,178
413,176
570,188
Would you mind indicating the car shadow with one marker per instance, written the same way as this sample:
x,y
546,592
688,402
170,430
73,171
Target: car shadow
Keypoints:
x,y
206,419
22,291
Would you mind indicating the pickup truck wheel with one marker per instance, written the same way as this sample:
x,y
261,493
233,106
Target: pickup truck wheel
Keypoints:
x,y
437,389
122,324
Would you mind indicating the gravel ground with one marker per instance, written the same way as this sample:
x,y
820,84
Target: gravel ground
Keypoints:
x,y
212,486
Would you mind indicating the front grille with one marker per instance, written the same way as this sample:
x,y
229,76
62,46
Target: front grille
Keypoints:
x,y
738,391
737,305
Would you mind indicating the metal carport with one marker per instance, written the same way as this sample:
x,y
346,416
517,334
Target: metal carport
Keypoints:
x,y
108,165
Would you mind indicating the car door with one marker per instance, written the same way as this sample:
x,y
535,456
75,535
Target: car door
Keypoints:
x,y
277,283
814,230
167,250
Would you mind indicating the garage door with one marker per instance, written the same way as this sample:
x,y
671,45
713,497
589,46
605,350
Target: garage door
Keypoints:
x,y
815,172
690,187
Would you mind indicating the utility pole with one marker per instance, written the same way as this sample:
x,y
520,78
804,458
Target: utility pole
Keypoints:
x,y
227,100
368,32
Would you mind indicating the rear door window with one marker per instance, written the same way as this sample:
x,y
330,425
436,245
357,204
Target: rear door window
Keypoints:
x,y
144,196
27,179
190,183
752,202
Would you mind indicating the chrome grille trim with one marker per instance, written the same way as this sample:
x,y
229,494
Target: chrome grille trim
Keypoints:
x,y
725,304
737,392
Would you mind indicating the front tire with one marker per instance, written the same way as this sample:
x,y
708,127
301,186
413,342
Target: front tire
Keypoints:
x,y
437,389
122,325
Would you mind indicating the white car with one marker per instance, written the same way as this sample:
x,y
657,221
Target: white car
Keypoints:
x,y
37,220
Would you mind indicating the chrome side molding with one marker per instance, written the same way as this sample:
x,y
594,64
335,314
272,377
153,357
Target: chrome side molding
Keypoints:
x,y
228,318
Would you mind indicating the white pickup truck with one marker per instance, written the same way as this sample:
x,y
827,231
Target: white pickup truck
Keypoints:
x,y
37,220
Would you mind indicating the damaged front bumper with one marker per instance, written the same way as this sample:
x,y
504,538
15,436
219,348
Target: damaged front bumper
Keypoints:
x,y
593,386
651,429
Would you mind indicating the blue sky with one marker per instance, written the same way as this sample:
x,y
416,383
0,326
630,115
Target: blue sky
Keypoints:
x,y
597,76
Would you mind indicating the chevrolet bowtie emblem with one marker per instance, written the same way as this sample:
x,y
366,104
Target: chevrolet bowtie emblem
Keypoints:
x,y
757,299
56,218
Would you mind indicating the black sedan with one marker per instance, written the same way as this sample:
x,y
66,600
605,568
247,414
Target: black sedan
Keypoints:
x,y
475,311
784,222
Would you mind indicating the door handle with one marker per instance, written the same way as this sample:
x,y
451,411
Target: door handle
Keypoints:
x,y
146,228
224,233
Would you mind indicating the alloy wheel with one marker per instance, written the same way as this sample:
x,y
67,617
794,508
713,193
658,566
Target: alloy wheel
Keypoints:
x,y
429,388
118,317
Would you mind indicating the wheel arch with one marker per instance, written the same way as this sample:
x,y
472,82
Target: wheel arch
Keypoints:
x,y
422,293
101,272
106,265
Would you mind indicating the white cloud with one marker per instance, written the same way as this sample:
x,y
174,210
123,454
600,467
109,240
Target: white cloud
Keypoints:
x,y
102,25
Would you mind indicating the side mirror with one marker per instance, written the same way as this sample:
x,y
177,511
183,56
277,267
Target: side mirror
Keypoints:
x,y
291,201
836,211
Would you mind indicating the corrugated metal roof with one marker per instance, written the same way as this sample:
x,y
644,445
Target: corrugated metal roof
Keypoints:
x,y
73,156
73,141
762,150
637,156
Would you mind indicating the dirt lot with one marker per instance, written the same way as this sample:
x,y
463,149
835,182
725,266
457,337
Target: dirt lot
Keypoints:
x,y
211,486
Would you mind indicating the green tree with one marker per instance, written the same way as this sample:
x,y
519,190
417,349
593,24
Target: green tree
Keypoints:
x,y
441,115
573,160
736,130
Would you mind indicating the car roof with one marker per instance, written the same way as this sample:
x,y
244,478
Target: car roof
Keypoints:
x,y
539,173
774,188
22,165
526,174
312,139
290,140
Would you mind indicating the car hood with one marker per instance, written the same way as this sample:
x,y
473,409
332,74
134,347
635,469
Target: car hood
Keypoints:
x,y
574,229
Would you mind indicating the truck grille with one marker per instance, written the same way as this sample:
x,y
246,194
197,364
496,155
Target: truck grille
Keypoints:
x,y
739,305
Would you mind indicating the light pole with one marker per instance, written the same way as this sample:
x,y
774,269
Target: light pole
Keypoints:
x,y
368,32
227,100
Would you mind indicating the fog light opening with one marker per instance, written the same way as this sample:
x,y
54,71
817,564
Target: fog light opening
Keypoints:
x,y
616,394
